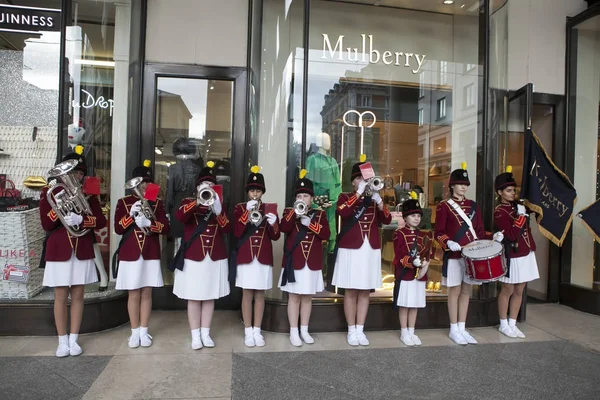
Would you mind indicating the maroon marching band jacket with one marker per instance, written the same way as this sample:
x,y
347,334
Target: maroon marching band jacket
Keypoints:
x,y
348,204
448,222
404,239
310,249
507,220
259,244
211,242
61,244
138,243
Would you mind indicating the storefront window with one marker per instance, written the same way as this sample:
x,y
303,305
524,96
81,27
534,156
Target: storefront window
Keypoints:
x,y
411,74
584,114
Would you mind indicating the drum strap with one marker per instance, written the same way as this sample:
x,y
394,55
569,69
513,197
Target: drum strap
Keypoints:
x,y
464,217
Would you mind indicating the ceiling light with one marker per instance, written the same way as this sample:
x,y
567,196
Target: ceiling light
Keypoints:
x,y
448,2
463,6
157,151
97,63
211,87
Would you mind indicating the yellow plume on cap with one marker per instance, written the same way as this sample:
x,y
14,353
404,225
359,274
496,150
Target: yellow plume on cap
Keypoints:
x,y
255,169
147,163
210,164
363,157
303,173
413,195
509,169
79,149
463,165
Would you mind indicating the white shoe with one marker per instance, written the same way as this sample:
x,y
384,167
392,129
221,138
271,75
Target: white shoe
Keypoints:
x,y
362,339
196,342
416,340
75,349
134,340
307,338
407,340
249,340
63,349
207,341
518,332
458,338
259,339
295,340
507,331
470,339
352,339
146,340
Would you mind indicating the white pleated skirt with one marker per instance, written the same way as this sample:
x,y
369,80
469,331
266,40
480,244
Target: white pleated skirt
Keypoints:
x,y
307,281
70,273
358,268
411,294
254,276
522,269
457,274
138,274
202,280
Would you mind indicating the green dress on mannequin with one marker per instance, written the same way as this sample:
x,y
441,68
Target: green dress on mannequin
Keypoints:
x,y
324,172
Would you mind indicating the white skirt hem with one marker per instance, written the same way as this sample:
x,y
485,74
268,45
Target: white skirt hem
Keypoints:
x,y
307,282
457,274
255,276
72,272
134,275
522,269
202,280
412,294
358,268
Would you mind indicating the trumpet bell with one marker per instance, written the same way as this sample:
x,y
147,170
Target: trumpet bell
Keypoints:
x,y
62,168
300,207
377,184
133,183
206,197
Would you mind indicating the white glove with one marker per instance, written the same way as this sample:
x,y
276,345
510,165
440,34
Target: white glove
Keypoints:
x,y
271,218
135,208
361,187
305,220
73,219
417,262
142,222
521,209
217,207
423,270
377,198
498,237
453,246
251,204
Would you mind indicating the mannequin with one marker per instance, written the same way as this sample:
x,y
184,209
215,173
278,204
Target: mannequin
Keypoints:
x,y
181,182
76,134
324,172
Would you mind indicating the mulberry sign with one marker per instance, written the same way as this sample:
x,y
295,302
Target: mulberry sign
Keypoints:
x,y
29,19
369,54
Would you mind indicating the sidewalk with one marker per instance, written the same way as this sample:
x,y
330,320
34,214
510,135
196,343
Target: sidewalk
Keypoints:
x,y
560,358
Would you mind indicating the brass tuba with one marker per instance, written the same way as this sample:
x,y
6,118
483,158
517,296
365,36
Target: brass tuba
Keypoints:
x,y
374,184
71,199
206,196
300,208
146,210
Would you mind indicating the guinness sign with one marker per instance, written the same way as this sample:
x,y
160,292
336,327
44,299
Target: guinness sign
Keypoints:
x,y
29,19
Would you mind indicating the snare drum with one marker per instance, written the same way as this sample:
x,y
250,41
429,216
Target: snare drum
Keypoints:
x,y
484,260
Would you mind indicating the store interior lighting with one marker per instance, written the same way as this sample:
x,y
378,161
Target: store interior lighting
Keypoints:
x,y
95,63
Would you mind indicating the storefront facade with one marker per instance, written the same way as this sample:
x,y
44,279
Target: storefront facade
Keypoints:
x,y
284,88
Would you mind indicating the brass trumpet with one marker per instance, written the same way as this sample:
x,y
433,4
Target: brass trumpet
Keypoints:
x,y
300,208
206,196
374,184
70,199
256,216
146,210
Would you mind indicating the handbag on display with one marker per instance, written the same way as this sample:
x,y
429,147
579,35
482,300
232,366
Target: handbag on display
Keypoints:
x,y
9,195
16,273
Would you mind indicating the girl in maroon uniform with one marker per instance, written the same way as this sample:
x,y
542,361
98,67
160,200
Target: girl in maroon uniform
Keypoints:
x,y
412,252
301,275
69,260
203,275
512,219
254,258
139,256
